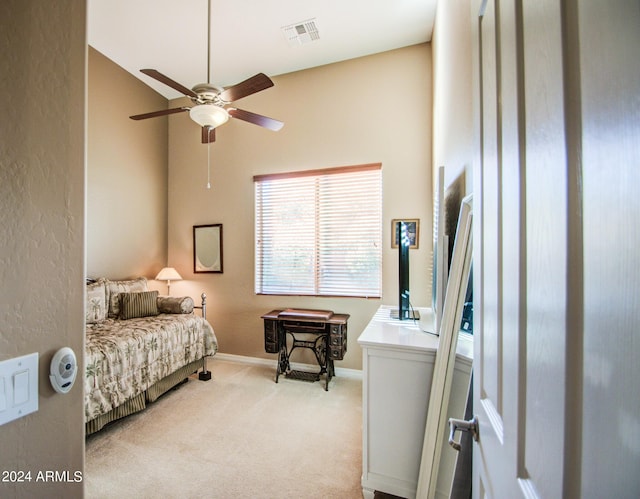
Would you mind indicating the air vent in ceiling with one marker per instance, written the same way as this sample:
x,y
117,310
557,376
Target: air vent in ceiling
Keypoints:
x,y
302,32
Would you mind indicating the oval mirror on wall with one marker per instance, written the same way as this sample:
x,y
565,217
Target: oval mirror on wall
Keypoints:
x,y
207,248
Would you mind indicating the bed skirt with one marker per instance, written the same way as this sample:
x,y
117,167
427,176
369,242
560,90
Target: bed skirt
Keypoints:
x,y
139,402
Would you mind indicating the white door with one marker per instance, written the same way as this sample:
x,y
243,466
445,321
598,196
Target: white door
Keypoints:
x,y
556,248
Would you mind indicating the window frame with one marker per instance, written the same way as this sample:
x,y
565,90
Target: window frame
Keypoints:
x,y
319,282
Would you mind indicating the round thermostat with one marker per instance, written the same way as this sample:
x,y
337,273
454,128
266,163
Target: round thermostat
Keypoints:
x,y
63,370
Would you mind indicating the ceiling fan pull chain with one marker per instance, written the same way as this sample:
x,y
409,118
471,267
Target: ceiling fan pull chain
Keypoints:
x,y
209,165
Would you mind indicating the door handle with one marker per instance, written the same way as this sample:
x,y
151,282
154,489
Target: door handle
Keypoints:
x,y
470,426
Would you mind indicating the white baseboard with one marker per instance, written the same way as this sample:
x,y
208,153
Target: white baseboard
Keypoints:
x,y
242,359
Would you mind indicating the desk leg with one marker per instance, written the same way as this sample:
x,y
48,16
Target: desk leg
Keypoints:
x,y
283,361
330,374
322,356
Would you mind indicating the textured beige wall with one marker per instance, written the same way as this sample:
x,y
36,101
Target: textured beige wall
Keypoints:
x,y
126,175
372,109
452,104
42,164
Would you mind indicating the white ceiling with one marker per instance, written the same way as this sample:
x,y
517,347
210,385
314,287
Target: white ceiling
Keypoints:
x,y
246,36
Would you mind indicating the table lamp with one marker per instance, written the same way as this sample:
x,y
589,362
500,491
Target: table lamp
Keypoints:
x,y
168,274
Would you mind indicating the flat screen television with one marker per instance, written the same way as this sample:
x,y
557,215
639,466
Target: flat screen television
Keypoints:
x,y
440,267
404,311
446,210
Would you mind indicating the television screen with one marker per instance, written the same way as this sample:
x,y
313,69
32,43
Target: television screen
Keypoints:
x,y
440,267
446,209
404,311
403,271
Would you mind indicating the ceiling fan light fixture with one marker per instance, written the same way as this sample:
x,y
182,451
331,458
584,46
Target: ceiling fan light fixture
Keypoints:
x,y
209,115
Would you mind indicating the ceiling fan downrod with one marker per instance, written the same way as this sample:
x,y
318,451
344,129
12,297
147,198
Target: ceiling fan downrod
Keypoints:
x,y
209,43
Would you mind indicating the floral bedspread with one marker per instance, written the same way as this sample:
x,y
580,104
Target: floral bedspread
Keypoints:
x,y
125,357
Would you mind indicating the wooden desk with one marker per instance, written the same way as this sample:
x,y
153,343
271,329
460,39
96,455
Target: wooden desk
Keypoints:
x,y
321,331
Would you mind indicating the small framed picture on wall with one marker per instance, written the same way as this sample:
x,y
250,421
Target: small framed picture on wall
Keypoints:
x,y
207,248
413,229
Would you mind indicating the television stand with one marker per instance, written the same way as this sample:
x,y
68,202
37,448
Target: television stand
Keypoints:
x,y
397,372
413,314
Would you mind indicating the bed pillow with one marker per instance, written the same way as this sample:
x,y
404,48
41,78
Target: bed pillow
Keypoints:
x,y
114,288
175,304
138,304
96,298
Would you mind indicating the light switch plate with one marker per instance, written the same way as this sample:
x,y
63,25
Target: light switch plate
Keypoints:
x,y
19,392
3,395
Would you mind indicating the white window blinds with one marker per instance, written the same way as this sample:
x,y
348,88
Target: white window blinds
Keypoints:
x,y
320,232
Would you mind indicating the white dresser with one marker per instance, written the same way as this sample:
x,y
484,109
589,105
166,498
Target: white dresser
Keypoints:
x,y
397,368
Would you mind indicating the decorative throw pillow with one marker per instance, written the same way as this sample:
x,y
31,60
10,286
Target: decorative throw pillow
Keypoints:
x,y
114,288
138,304
175,304
96,302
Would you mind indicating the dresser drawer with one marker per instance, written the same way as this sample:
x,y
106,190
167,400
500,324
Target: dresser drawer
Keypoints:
x,y
337,353
335,340
271,337
304,326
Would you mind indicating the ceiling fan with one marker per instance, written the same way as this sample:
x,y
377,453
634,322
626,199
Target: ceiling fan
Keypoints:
x,y
211,103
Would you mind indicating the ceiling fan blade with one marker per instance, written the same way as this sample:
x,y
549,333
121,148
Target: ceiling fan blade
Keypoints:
x,y
250,86
256,119
155,114
208,134
156,75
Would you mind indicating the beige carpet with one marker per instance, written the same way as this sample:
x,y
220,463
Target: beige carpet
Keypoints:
x,y
239,435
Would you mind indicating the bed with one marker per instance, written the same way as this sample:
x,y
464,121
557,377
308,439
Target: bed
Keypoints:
x,y
138,346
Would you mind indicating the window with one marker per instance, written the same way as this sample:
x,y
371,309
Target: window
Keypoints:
x,y
319,232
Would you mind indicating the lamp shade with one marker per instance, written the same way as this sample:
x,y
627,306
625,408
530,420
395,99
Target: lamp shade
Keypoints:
x,y
168,274
209,115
